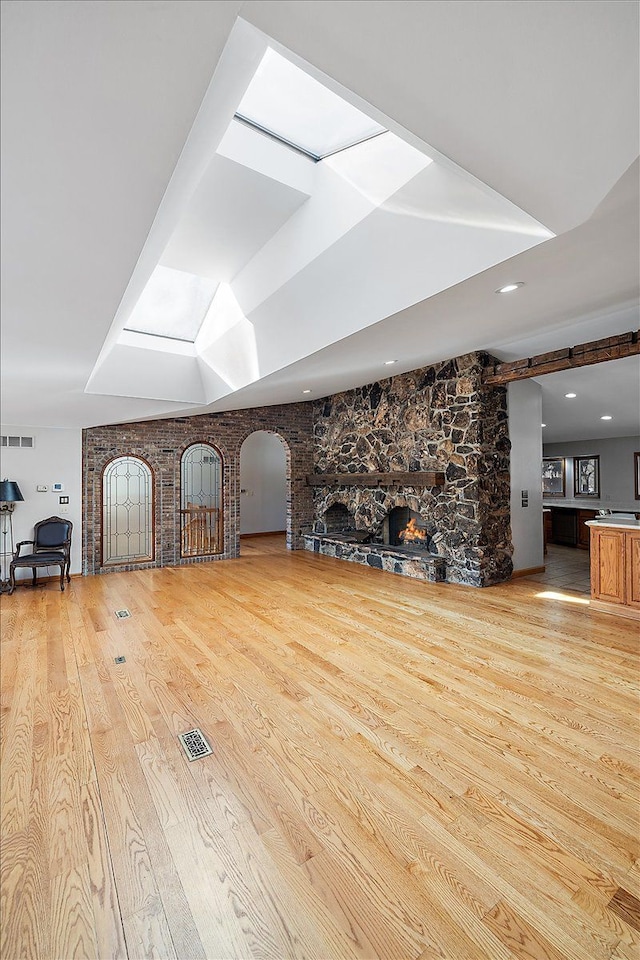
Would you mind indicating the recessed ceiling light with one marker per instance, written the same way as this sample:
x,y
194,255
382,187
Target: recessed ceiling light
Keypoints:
x,y
306,391
388,363
510,287
606,417
543,424
570,396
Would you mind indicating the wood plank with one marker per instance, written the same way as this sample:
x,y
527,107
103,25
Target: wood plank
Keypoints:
x,y
72,930
540,898
626,906
67,842
334,940
147,932
107,922
627,951
519,936
632,880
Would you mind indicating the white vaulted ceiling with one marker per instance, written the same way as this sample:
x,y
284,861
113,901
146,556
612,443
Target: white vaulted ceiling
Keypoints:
x,y
245,209
120,153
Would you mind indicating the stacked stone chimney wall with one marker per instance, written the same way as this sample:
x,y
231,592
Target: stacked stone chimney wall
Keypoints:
x,y
439,417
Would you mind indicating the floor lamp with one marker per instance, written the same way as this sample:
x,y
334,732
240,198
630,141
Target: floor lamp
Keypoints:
x,y
9,496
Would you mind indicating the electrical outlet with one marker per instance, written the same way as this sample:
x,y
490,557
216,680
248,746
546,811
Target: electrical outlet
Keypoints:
x,y
42,488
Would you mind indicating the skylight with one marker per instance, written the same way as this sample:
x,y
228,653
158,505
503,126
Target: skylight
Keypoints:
x,y
173,304
285,102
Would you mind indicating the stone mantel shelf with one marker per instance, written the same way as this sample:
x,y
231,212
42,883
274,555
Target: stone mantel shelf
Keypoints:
x,y
415,478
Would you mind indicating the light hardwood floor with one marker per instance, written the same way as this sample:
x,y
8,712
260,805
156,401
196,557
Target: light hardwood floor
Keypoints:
x,y
400,769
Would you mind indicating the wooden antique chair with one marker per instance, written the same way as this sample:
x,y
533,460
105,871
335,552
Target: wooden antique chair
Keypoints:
x,y
51,548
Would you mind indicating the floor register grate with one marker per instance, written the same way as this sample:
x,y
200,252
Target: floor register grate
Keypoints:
x,y
195,744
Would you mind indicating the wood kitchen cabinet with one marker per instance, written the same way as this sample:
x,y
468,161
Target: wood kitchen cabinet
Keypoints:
x,y
564,527
607,564
547,530
632,564
615,567
583,529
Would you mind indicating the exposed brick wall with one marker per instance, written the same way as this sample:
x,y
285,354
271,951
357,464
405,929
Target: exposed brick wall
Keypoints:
x,y
162,442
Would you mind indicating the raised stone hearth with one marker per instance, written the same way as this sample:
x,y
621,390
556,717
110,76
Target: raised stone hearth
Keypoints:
x,y
447,429
408,563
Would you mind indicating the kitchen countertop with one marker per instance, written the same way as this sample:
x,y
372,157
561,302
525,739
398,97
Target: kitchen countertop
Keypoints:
x,y
612,522
584,503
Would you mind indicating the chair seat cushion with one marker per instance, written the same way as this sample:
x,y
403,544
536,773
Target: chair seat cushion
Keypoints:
x,y
34,559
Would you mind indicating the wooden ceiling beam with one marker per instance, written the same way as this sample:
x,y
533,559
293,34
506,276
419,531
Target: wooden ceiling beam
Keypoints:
x,y
583,355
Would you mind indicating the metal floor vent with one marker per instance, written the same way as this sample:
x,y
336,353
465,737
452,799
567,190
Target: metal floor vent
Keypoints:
x,y
195,744
122,614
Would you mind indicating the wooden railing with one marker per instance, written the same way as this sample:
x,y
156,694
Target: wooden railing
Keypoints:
x,y
201,529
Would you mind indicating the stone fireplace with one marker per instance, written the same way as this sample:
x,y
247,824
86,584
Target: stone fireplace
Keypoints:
x,y
430,446
385,531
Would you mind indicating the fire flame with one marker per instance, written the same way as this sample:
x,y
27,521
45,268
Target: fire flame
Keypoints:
x,y
412,532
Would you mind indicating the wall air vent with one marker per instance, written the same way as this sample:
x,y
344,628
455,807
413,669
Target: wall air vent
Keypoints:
x,y
8,441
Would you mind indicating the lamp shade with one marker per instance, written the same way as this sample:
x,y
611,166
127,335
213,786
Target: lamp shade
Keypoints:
x,y
10,492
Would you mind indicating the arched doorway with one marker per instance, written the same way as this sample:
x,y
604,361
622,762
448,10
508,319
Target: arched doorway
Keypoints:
x,y
263,484
201,521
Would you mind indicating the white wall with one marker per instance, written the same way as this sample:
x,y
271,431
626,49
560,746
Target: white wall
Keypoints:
x,y
55,458
263,478
616,471
525,431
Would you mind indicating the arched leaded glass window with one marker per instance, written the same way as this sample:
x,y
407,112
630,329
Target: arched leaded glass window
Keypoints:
x,y
201,527
127,511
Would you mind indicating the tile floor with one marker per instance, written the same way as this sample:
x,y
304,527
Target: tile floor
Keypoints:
x,y
567,568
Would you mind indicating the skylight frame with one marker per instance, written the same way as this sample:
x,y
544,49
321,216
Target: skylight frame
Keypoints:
x,y
169,288
163,336
288,104
316,157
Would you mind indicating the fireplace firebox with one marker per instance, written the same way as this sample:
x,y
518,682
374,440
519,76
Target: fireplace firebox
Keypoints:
x,y
338,519
405,528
